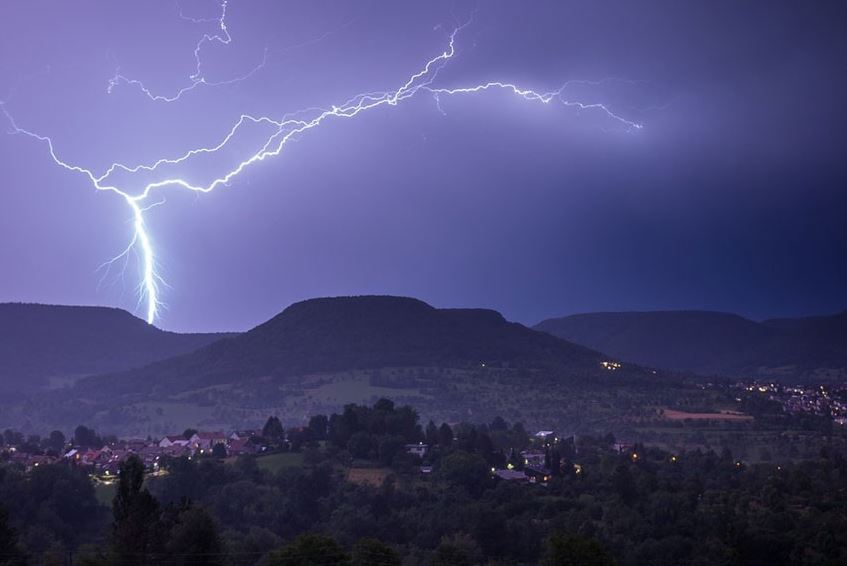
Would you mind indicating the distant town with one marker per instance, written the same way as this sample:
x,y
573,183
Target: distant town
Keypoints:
x,y
820,400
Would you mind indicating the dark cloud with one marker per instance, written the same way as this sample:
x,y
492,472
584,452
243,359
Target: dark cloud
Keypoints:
x,y
732,196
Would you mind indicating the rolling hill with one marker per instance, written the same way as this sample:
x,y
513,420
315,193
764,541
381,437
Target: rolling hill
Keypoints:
x,y
712,343
318,355
356,333
43,342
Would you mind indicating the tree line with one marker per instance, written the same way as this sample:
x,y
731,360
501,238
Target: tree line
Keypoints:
x,y
643,506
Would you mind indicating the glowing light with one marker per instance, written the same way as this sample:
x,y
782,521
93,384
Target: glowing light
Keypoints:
x,y
283,130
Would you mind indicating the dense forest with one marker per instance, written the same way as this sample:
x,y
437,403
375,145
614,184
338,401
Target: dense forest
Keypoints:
x,y
598,505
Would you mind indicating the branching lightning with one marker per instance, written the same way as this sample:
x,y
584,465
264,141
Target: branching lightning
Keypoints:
x,y
197,78
281,131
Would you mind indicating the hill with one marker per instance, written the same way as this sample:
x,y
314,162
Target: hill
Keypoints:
x,y
357,333
43,342
713,343
318,355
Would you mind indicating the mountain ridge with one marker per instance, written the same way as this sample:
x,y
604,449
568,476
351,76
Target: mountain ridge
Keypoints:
x,y
40,342
357,333
714,343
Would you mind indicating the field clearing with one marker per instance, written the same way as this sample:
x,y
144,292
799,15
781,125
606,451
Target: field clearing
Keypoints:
x,y
355,389
674,415
105,492
276,462
368,476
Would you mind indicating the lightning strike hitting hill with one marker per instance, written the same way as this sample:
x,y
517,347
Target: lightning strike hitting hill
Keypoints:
x,y
282,130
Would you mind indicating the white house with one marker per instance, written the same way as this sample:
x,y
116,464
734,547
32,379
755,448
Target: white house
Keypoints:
x,y
418,450
169,441
207,440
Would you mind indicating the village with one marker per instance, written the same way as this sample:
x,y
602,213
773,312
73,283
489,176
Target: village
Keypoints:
x,y
813,399
102,458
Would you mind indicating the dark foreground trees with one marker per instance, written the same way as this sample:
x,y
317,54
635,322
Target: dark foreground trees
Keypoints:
x,y
145,533
603,507
10,552
573,550
138,531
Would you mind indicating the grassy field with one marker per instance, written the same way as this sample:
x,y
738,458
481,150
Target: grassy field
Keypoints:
x,y
105,493
368,476
674,415
354,388
276,462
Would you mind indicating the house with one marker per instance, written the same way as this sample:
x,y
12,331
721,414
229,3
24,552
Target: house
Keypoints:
x,y
89,457
151,454
169,441
177,451
537,474
511,475
35,460
136,444
114,458
545,436
418,449
240,446
533,457
244,434
206,440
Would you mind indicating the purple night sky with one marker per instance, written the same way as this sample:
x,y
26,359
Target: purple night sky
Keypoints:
x,y
732,197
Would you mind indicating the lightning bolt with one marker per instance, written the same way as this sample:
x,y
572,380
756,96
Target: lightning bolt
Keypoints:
x,y
196,79
282,131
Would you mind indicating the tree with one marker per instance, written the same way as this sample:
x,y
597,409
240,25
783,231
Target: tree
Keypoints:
x,y
389,447
12,437
194,539
309,550
319,425
10,553
135,534
445,435
458,550
84,436
56,441
219,451
188,433
273,430
499,424
466,470
555,465
431,434
520,437
360,445
572,550
368,552
624,484
384,406
62,497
